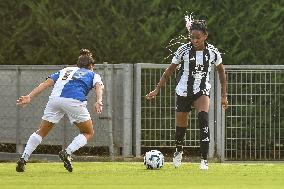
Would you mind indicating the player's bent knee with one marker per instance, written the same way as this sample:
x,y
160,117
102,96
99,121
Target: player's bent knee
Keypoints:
x,y
89,134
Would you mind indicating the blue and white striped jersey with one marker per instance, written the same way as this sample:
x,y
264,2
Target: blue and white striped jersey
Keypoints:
x,y
74,82
195,68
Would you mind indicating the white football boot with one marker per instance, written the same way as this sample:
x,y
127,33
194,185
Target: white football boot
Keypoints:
x,y
177,159
204,164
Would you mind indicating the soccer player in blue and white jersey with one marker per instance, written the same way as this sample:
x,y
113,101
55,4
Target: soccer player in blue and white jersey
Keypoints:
x,y
193,87
69,96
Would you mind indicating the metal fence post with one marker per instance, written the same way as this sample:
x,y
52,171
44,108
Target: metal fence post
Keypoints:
x,y
108,108
64,132
127,110
211,114
137,110
19,146
219,121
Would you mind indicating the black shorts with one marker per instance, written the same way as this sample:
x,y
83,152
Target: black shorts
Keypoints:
x,y
185,103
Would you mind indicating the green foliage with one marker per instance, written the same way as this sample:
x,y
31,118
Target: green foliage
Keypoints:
x,y
53,31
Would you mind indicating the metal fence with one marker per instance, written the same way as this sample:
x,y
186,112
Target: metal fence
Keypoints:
x,y
113,128
254,121
155,120
252,128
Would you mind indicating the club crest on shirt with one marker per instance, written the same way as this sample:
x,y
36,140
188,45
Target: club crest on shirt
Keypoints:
x,y
198,73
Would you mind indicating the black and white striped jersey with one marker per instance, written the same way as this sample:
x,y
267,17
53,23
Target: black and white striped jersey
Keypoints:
x,y
195,67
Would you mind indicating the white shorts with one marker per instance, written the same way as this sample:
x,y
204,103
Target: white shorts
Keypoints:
x,y
56,107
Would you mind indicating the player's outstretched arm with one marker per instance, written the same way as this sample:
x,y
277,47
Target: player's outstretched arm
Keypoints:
x,y
223,81
99,97
24,100
167,73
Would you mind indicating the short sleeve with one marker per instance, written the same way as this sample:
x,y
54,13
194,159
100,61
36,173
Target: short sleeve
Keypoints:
x,y
218,58
178,54
54,76
97,79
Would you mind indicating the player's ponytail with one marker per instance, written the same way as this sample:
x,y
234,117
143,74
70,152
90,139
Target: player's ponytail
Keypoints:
x,y
85,59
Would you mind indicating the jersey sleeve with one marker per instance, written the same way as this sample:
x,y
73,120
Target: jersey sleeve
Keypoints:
x,y
54,76
178,54
97,79
218,59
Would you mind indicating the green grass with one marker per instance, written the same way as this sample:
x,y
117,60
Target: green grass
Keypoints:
x,y
128,175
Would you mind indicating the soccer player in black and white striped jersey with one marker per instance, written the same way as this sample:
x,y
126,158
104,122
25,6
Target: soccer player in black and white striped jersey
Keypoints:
x,y
193,87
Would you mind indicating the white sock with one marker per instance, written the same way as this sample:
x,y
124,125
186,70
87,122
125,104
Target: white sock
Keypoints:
x,y
77,143
32,143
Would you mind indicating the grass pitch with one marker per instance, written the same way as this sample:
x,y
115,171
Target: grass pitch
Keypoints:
x,y
129,175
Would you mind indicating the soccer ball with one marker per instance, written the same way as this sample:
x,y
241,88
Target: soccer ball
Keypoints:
x,y
154,159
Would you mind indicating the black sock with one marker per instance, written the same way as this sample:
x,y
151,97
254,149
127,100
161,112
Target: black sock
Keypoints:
x,y
204,134
180,132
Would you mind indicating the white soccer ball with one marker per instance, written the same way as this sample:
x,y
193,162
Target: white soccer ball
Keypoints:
x,y
154,159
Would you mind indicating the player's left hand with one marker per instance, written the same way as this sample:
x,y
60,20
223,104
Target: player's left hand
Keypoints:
x,y
98,107
23,100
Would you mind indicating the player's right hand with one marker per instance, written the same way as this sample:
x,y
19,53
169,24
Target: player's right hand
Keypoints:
x,y
23,100
152,94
